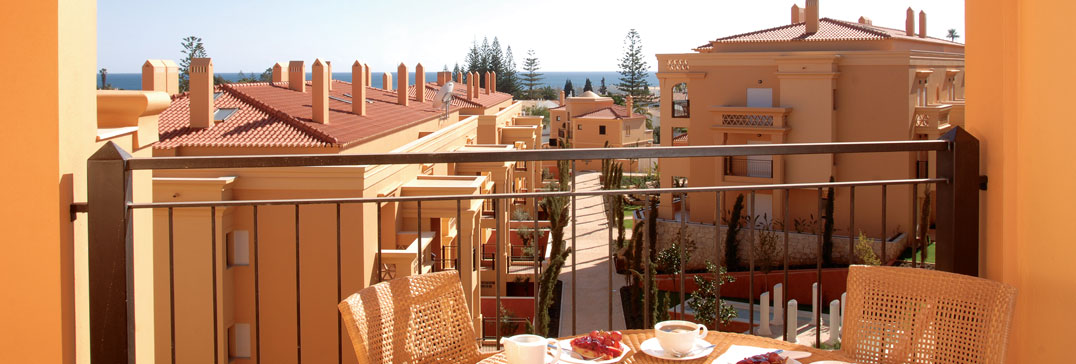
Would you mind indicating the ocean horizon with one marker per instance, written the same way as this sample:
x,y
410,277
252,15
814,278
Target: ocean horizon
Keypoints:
x,y
133,81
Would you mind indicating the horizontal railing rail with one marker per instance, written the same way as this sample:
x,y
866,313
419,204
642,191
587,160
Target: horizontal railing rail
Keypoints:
x,y
110,209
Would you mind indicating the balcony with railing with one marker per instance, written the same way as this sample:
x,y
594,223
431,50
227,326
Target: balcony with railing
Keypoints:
x,y
311,262
933,120
753,118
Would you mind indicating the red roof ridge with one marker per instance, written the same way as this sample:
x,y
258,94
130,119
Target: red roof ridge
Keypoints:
x,y
322,136
619,111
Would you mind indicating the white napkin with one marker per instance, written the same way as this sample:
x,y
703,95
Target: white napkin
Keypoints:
x,y
736,353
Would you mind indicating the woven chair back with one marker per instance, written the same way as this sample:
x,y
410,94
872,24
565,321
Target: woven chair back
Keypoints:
x,y
415,319
908,315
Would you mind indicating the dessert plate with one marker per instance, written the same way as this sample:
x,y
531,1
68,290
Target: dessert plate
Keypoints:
x,y
652,348
569,356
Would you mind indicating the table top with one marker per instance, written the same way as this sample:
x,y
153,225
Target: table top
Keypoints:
x,y
723,340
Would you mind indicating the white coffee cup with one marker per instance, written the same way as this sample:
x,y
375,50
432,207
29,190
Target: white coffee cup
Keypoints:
x,y
678,337
528,349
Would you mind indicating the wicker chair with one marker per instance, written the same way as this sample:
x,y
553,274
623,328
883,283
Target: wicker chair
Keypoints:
x,y
906,315
415,319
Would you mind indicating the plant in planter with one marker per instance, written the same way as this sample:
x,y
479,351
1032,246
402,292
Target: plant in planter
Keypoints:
x,y
557,210
865,251
731,236
766,247
706,300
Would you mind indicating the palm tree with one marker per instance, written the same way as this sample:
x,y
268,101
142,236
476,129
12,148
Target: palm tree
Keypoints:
x,y
952,35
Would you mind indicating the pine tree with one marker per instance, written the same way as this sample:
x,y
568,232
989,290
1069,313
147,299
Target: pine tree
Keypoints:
x,y
104,80
473,61
495,57
192,48
531,78
588,86
602,89
569,90
507,80
456,70
634,70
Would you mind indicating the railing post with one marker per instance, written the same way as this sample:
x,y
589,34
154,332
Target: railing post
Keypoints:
x,y
110,248
958,204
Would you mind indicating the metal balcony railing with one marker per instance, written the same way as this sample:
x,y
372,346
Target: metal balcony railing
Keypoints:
x,y
111,241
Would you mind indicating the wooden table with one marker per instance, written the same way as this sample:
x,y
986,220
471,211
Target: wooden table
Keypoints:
x,y
634,338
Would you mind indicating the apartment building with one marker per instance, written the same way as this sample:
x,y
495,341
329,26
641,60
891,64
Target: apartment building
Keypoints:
x,y
329,251
593,121
812,80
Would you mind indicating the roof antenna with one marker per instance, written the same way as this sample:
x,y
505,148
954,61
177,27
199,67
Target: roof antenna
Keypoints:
x,y
444,98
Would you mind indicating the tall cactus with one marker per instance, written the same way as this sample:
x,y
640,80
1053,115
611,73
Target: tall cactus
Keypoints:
x,y
611,177
731,236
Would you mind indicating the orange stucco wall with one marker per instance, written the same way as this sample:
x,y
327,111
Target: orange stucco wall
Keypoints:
x,y
1019,92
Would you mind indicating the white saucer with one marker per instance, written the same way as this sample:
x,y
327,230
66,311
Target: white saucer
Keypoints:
x,y
652,348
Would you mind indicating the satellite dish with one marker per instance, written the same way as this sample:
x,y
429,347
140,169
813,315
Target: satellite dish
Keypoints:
x,y
444,97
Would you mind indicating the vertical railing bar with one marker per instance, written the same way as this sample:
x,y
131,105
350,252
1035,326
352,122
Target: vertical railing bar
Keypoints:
x,y
459,239
257,292
498,211
298,295
647,319
213,260
852,236
380,267
784,284
534,252
574,250
818,277
683,239
339,318
915,224
751,267
172,282
885,235
717,257
419,252
609,282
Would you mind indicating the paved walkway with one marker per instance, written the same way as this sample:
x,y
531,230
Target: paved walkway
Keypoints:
x,y
592,295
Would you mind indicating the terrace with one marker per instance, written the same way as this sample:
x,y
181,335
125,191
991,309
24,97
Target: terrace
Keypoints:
x,y
308,327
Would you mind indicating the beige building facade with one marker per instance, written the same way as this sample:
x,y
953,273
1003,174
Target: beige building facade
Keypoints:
x,y
810,81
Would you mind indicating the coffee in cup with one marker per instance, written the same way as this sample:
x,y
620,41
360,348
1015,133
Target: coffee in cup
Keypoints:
x,y
678,337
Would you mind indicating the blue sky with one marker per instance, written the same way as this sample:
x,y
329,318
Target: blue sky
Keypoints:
x,y
565,35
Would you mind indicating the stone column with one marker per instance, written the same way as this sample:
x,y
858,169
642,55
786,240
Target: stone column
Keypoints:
x,y
778,302
764,304
834,322
790,332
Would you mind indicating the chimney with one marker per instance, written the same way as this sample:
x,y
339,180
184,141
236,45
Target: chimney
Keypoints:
x,y
630,104
812,17
797,14
369,75
320,92
171,75
329,66
493,79
358,89
470,84
922,24
401,82
201,93
865,20
420,83
153,76
386,81
297,76
477,85
280,72
909,23
561,97
489,84
459,78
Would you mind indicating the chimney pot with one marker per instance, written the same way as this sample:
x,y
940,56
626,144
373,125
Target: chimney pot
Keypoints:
x,y
561,98
489,85
470,84
201,93
797,14
909,23
420,83
629,102
812,17
369,75
280,72
320,93
358,89
401,84
160,75
386,81
922,24
297,76
493,80
329,67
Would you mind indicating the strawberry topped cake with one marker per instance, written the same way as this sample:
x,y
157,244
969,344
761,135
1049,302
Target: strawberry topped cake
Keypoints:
x,y
599,344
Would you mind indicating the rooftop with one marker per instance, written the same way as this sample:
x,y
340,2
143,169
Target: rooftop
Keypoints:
x,y
829,30
271,115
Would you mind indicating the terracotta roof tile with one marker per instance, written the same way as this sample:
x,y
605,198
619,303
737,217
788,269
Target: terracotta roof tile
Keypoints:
x,y
612,112
271,115
828,30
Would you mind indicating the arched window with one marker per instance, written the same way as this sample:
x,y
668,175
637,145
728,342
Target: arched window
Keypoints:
x,y
681,103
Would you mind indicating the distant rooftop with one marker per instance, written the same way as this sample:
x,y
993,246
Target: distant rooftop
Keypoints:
x,y
828,30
